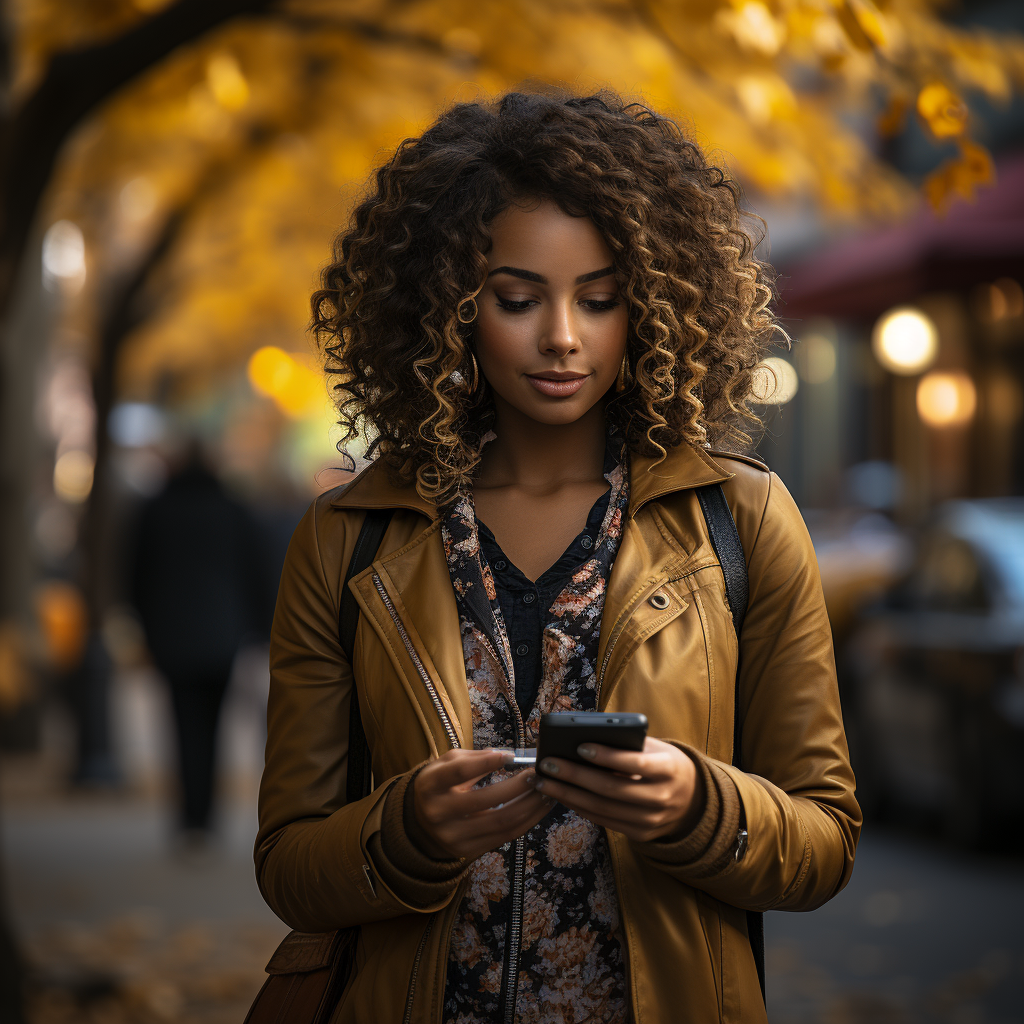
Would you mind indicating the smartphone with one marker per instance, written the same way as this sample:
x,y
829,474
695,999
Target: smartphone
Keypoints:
x,y
561,732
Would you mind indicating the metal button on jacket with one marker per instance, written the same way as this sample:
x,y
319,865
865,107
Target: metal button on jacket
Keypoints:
x,y
659,601
587,543
529,598
501,565
523,650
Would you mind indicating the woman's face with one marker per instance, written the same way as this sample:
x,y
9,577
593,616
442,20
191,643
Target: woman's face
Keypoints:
x,y
551,327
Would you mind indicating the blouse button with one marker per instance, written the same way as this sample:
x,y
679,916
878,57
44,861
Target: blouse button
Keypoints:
x,y
659,601
501,565
523,650
529,598
587,543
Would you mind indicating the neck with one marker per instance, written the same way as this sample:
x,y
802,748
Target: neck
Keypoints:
x,y
533,455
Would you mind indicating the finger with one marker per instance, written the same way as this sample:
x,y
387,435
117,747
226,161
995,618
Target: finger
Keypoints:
x,y
461,803
463,768
504,819
490,829
532,810
584,801
608,785
521,825
648,764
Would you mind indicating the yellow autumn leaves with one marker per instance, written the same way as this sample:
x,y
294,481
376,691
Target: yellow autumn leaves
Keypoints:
x,y
258,136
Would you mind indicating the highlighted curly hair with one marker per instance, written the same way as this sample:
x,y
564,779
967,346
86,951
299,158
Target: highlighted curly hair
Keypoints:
x,y
386,316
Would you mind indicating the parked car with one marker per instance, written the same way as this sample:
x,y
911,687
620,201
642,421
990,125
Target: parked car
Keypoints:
x,y
933,676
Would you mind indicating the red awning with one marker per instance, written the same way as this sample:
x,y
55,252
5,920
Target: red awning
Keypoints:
x,y
861,277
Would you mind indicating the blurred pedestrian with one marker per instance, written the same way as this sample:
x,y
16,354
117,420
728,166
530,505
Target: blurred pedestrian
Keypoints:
x,y
201,589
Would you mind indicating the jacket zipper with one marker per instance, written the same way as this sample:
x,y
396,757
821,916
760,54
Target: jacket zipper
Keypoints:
x,y
415,659
510,974
407,1016
627,951
452,738
509,992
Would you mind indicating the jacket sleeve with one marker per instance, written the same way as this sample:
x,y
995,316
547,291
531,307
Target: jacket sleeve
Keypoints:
x,y
314,855
796,787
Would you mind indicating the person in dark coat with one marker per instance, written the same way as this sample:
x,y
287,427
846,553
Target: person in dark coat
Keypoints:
x,y
201,588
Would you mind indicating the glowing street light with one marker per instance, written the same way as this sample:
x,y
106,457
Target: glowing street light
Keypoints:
x,y
905,341
946,399
774,381
64,256
296,389
72,476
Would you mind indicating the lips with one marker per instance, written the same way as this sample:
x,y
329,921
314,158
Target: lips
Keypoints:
x,y
557,383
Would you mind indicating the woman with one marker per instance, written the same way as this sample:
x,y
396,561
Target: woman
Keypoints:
x,y
542,315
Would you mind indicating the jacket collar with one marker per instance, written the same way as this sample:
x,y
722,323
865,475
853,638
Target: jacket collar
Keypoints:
x,y
681,469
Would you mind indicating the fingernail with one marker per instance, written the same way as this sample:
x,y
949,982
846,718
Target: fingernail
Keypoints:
x,y
539,784
549,766
586,750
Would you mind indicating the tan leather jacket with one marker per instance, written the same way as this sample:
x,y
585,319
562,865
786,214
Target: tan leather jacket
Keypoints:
x,y
688,954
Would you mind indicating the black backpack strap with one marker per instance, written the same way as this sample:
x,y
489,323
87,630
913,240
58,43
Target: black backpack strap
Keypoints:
x,y
725,539
367,543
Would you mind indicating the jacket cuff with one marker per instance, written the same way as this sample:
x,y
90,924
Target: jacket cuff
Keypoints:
x,y
710,844
399,856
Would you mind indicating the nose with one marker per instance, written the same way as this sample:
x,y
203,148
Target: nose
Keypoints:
x,y
559,338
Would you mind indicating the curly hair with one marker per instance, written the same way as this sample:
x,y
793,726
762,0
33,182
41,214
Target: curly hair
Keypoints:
x,y
387,314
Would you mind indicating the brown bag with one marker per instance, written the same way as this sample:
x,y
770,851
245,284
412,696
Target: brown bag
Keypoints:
x,y
309,970
308,973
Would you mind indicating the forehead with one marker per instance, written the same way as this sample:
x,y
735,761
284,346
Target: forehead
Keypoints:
x,y
542,238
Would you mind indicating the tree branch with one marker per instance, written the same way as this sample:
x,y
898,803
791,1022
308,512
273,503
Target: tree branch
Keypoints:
x,y
76,83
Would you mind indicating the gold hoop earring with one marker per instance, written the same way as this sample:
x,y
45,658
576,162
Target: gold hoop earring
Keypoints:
x,y
467,302
625,378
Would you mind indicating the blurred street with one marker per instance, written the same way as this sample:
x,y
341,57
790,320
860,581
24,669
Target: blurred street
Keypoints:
x,y
118,920
921,935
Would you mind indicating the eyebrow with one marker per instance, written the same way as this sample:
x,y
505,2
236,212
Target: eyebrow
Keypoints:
x,y
529,275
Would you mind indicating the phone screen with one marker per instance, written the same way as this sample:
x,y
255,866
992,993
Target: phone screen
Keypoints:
x,y
562,732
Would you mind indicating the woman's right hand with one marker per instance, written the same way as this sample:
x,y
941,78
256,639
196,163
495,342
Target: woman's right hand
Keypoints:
x,y
465,822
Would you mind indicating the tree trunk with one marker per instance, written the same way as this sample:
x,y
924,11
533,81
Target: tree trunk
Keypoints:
x,y
76,83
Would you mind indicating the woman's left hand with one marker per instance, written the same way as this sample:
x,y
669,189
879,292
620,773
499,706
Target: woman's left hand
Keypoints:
x,y
647,794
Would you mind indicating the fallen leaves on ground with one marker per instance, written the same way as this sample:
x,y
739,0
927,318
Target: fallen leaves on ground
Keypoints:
x,y
134,970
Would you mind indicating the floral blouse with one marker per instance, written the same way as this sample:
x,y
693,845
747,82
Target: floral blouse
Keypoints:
x,y
537,936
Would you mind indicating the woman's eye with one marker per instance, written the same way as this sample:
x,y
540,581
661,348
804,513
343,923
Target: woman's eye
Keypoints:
x,y
514,305
600,305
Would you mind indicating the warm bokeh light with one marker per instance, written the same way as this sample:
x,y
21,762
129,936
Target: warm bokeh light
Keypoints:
x,y
905,341
226,81
296,389
63,620
72,476
774,381
64,253
946,399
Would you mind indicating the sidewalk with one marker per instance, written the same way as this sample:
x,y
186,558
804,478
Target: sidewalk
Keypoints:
x,y
117,926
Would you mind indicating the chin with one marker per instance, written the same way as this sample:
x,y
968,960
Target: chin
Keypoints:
x,y
557,414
